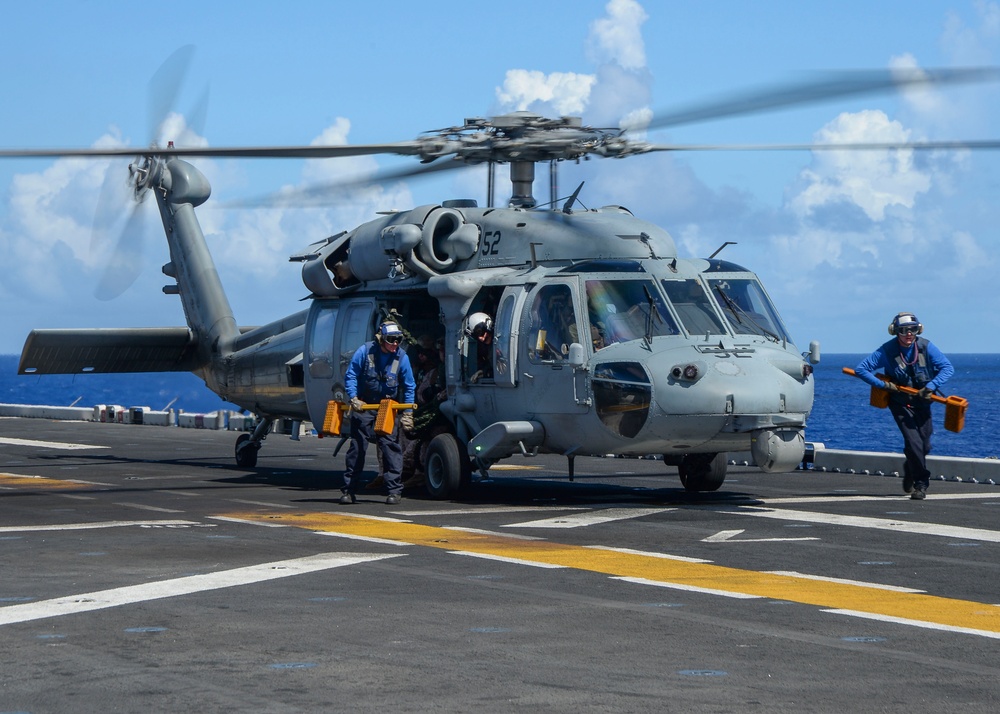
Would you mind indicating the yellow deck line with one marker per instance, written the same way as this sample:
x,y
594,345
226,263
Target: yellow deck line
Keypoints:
x,y
38,483
917,607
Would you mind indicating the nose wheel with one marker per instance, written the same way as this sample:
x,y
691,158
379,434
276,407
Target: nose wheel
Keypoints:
x,y
702,472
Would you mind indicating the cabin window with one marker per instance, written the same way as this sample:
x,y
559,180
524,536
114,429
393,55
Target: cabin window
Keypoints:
x,y
624,310
693,307
321,343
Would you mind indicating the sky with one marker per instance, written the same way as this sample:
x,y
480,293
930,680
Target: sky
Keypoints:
x,y
841,240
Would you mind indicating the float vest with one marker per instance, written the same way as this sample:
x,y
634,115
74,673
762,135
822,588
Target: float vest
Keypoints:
x,y
917,374
375,385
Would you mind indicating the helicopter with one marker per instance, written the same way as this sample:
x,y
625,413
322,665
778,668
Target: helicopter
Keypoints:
x,y
604,339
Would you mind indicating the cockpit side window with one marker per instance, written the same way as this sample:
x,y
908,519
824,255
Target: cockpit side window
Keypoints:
x,y
747,307
693,307
552,325
619,311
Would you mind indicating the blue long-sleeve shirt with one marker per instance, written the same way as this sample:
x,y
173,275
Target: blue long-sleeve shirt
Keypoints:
x,y
368,375
884,361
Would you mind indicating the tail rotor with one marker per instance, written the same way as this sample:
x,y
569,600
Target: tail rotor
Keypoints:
x,y
123,217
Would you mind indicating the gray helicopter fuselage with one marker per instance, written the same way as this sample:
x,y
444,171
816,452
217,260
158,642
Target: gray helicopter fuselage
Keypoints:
x,y
604,342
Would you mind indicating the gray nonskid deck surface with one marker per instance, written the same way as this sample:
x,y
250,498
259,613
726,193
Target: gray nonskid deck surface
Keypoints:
x,y
143,571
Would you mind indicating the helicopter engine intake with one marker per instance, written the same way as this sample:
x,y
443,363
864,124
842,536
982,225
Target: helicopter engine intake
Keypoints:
x,y
423,242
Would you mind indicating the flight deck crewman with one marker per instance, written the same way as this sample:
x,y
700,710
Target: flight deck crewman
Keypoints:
x,y
379,370
910,361
479,326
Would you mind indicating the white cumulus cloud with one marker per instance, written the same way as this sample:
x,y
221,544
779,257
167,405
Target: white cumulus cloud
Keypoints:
x,y
617,38
565,92
870,180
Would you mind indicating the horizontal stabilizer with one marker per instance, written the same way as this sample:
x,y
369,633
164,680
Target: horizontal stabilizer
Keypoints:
x,y
112,350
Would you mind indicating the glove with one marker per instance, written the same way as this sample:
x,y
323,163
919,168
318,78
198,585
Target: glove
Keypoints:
x,y
406,421
476,377
925,393
891,386
356,404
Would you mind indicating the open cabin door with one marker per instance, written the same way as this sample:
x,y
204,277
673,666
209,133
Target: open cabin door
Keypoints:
x,y
334,330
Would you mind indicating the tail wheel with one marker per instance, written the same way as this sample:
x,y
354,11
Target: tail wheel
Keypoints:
x,y
702,472
446,468
246,452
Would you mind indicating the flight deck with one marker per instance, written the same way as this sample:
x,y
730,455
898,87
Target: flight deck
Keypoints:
x,y
144,571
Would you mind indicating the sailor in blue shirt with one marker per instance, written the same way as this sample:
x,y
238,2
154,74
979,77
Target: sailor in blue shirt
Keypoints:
x,y
910,361
378,370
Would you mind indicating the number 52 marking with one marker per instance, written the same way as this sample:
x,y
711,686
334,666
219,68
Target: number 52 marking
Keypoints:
x,y
491,243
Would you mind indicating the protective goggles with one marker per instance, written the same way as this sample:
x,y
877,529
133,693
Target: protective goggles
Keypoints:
x,y
907,330
393,339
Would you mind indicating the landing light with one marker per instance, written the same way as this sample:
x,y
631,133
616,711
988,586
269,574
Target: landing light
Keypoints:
x,y
688,372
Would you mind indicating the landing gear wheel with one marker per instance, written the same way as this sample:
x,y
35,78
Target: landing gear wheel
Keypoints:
x,y
446,467
702,472
246,452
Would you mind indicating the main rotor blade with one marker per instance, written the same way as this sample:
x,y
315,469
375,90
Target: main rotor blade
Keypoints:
x,y
323,194
828,86
955,145
403,148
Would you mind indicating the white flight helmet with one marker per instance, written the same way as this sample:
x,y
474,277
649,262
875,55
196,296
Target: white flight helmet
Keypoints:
x,y
477,324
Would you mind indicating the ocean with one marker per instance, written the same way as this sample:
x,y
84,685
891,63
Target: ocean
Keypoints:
x,y
841,417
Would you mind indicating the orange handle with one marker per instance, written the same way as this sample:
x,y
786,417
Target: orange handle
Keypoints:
x,y
909,390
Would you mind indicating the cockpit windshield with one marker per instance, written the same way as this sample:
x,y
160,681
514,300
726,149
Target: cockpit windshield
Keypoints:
x,y
748,308
623,310
693,307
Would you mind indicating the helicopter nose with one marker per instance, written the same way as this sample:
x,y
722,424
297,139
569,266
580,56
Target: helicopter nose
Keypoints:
x,y
731,401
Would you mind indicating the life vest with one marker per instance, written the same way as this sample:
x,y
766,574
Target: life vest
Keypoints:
x,y
375,385
916,375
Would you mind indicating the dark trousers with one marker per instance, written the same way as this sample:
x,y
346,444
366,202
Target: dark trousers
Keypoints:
x,y
916,426
363,432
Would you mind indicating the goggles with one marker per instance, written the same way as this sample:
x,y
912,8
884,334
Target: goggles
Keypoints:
x,y
907,330
393,339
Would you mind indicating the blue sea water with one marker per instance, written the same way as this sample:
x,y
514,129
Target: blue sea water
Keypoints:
x,y
841,417
178,390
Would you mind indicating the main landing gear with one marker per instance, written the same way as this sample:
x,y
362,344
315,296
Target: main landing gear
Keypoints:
x,y
447,467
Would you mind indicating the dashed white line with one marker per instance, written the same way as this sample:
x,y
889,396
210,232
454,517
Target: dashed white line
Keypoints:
x,y
91,526
689,588
266,504
48,444
579,520
483,531
844,581
117,597
866,522
915,623
649,554
888,498
505,559
367,539
144,507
